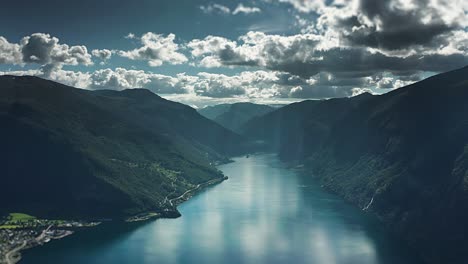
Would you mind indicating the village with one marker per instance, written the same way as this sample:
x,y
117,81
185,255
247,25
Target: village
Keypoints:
x,y
21,231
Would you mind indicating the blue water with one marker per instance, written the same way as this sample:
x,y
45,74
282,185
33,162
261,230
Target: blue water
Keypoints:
x,y
264,213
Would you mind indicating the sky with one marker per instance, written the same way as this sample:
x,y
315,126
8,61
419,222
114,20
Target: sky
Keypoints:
x,y
208,52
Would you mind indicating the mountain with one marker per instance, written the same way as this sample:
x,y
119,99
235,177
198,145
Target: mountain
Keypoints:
x,y
213,111
70,152
234,116
300,127
402,156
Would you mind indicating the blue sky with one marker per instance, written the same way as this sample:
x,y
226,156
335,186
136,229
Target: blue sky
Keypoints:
x,y
207,52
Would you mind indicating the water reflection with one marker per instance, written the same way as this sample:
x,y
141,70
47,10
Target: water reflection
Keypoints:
x,y
264,213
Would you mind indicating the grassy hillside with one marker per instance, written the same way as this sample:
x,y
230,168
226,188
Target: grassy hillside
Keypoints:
x,y
401,155
75,153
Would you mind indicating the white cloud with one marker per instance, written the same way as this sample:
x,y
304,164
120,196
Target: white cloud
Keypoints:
x,y
10,53
246,10
263,85
306,5
209,45
359,91
295,90
255,49
385,83
157,49
393,82
215,8
306,55
103,54
121,78
36,72
222,9
400,83
130,36
259,85
44,49
71,78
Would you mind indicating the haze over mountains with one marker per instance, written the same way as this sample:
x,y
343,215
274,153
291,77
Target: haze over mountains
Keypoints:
x,y
234,116
402,156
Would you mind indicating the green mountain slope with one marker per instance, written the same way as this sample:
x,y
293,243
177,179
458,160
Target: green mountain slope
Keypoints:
x,y
401,155
234,116
76,153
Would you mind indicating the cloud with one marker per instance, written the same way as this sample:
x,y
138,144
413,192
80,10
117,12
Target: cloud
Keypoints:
x,y
394,83
157,49
43,49
35,72
359,91
305,6
306,55
397,24
259,85
328,85
130,36
343,48
71,78
221,9
245,10
122,78
10,53
215,8
211,48
255,49
385,83
247,84
402,26
103,54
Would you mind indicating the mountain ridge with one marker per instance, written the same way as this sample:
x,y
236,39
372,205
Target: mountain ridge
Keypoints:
x,y
401,156
70,152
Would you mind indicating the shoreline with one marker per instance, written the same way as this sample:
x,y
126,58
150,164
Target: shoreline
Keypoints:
x,y
13,256
10,255
174,202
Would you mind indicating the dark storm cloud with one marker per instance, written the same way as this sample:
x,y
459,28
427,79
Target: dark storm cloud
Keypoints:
x,y
388,25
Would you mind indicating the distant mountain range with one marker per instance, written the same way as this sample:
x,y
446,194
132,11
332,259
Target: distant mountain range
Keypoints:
x,y
77,153
234,116
402,156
